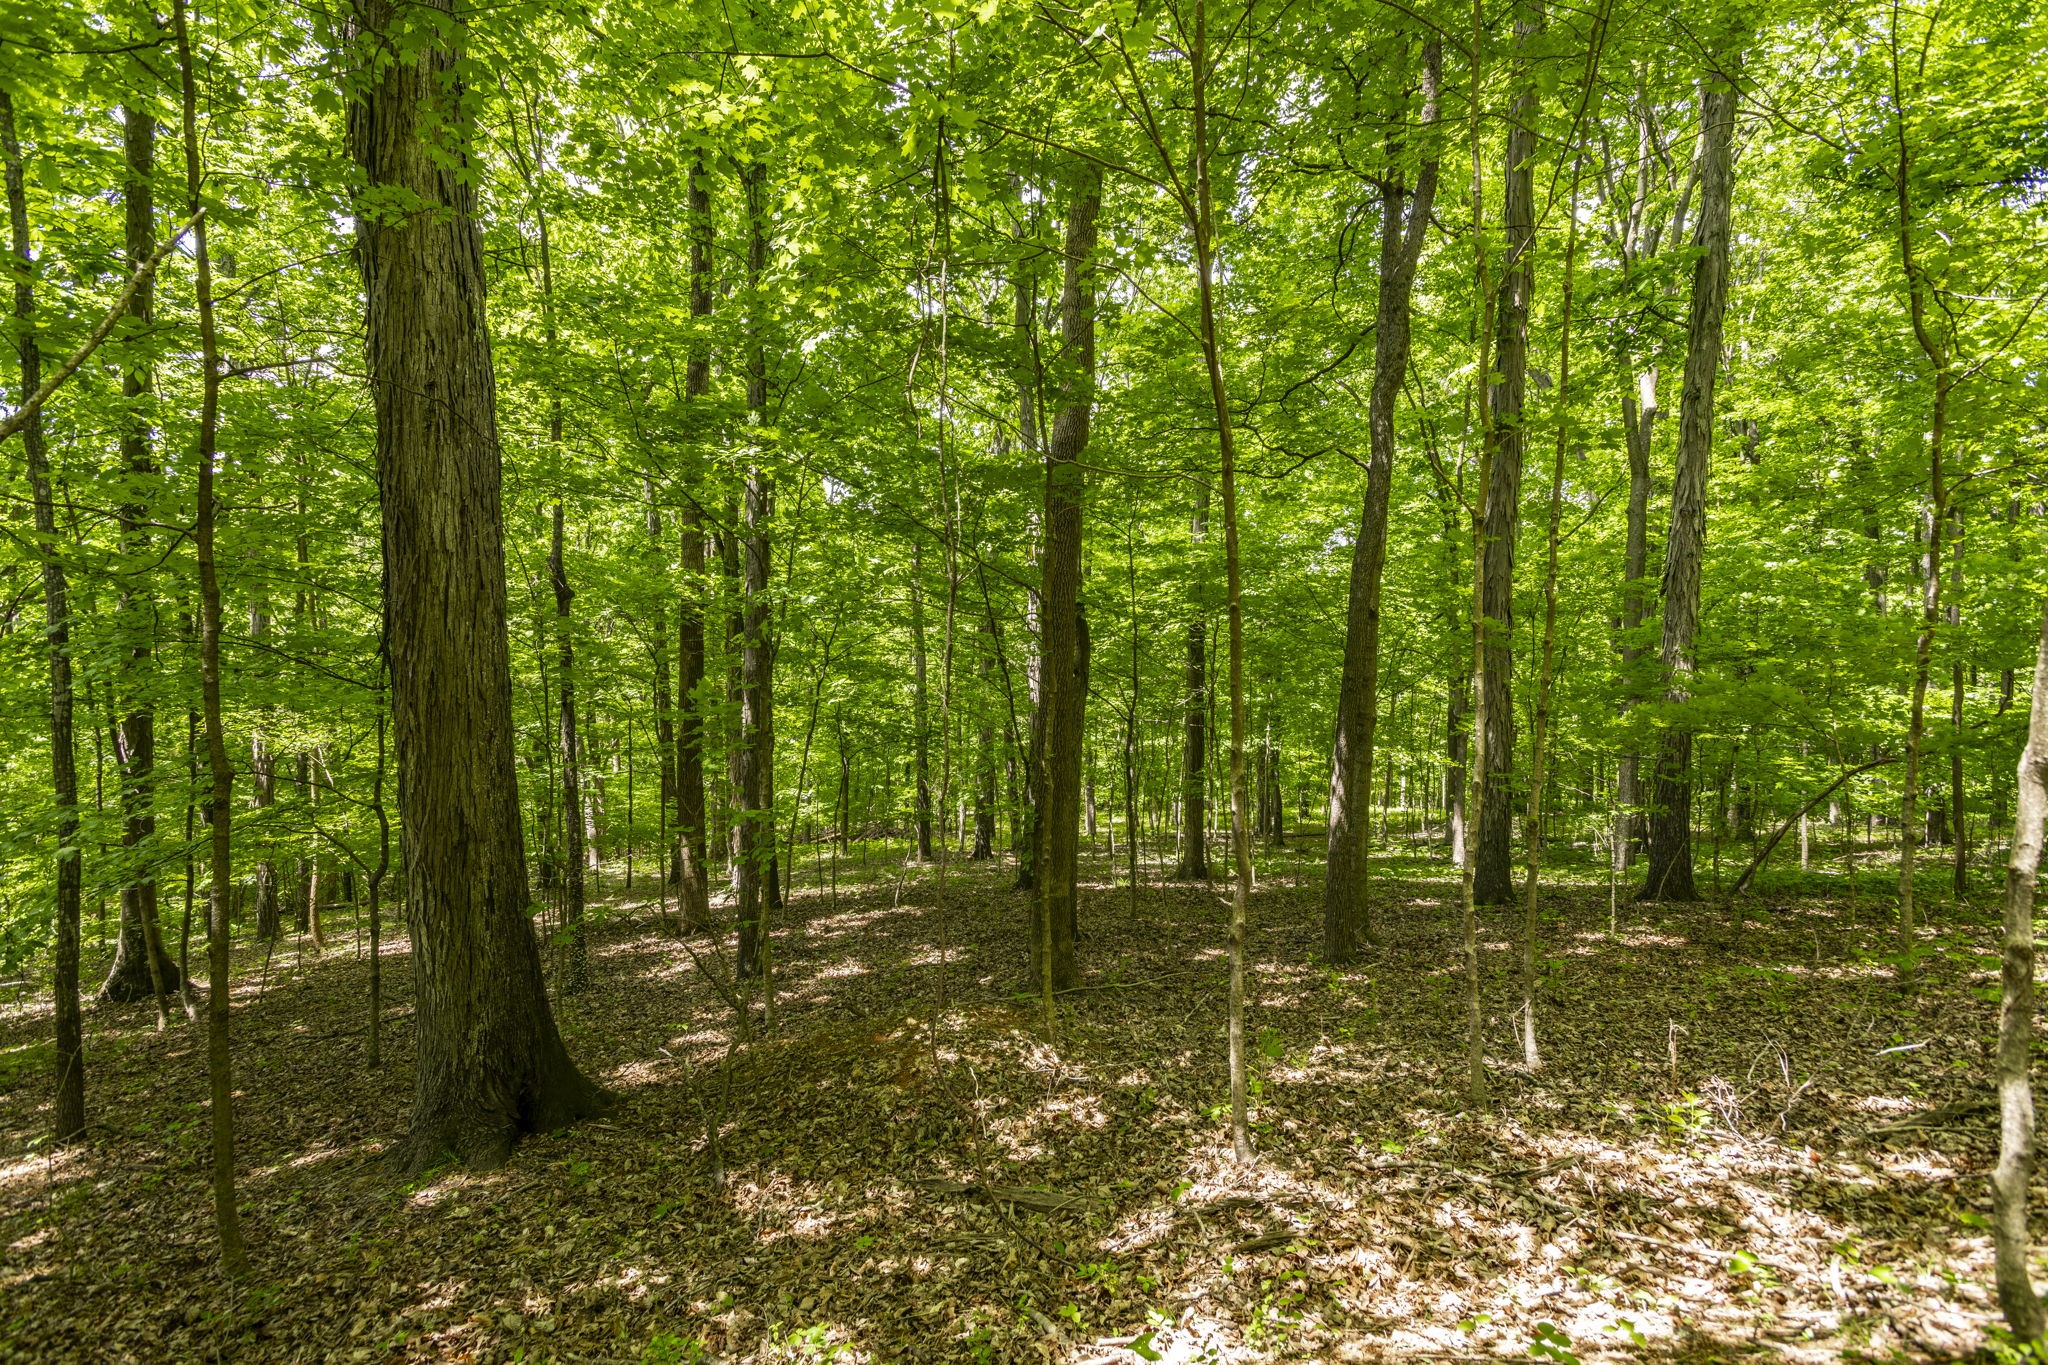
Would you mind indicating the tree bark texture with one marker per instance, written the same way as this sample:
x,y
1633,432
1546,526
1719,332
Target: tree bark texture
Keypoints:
x,y
69,1111
693,871
141,967
576,969
2009,1238
1404,215
756,816
1493,855
491,1064
1669,874
1062,679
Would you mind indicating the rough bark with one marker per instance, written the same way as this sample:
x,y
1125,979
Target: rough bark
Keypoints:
x,y
141,967
1062,679
491,1064
2009,1238
1404,217
756,754
1203,222
219,1078
1669,874
69,1111
576,967
1493,856
693,872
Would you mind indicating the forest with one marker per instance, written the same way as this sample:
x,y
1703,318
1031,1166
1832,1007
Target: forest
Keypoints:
x,y
1078,681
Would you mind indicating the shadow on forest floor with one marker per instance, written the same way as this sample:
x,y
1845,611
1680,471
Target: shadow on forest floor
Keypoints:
x,y
1692,1175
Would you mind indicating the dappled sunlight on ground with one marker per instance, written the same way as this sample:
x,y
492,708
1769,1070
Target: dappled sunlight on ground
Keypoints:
x,y
1716,1160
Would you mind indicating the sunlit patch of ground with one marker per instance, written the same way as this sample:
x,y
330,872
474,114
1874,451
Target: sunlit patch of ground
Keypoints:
x,y
1708,1165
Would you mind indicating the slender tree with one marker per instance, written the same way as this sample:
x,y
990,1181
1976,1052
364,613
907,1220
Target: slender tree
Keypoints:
x,y
1669,875
1063,629
2009,1180
1404,217
69,1112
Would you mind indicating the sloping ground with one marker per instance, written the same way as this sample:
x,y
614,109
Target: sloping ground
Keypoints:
x,y
1710,1164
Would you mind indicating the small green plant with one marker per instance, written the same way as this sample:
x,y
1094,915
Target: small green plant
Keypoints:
x,y
1684,1118
1552,1344
668,1349
1627,1329
805,1343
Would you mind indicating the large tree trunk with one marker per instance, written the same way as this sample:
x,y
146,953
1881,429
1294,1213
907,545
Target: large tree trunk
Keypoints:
x,y
1194,772
1669,873
1062,678
69,1111
1493,856
1403,218
2009,1239
141,967
491,1063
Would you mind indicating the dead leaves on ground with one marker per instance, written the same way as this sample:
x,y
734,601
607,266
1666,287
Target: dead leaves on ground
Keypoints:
x,y
887,1180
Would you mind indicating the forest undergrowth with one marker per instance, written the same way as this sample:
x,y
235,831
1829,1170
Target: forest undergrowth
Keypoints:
x,y
1746,1141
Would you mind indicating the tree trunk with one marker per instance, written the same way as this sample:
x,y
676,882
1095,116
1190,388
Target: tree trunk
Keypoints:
x,y
664,695
1669,875
693,873
756,817
985,762
220,1081
1347,911
920,704
1194,781
69,1111
1063,653
1493,856
576,970
2009,1239
491,1064
263,795
141,967
1960,834
1639,422
1203,224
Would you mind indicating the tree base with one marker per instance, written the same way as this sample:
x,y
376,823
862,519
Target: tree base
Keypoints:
x,y
479,1129
128,980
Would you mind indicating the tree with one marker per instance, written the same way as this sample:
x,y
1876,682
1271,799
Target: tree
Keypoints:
x,y
69,1112
1404,215
1669,875
491,1064
1063,653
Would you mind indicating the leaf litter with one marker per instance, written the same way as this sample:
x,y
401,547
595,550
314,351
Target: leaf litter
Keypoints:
x,y
1749,1142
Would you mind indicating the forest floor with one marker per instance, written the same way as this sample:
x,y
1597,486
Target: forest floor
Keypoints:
x,y
1743,1143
